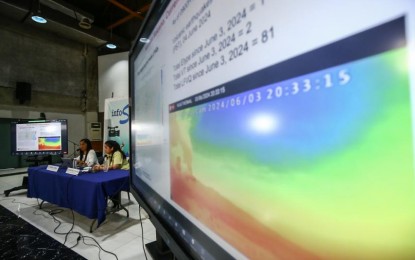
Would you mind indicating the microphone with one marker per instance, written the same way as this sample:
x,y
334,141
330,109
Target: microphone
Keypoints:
x,y
73,143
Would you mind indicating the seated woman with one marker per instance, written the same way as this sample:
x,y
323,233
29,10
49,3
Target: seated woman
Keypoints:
x,y
87,156
116,158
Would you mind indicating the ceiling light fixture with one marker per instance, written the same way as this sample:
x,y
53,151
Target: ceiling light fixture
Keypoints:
x,y
144,40
39,19
111,46
36,15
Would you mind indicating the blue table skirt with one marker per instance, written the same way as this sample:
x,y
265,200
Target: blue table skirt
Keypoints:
x,y
86,193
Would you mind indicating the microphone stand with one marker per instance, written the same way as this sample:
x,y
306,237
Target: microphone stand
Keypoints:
x,y
74,148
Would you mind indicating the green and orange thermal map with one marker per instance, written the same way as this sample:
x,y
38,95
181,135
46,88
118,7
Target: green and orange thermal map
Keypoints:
x,y
324,172
49,143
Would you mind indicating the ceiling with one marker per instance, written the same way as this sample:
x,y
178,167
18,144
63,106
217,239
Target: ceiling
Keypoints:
x,y
115,21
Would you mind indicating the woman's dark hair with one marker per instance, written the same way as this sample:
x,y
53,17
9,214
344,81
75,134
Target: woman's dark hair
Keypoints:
x,y
88,147
116,146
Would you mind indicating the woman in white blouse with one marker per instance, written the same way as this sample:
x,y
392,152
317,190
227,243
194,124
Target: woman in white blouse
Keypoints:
x,y
87,155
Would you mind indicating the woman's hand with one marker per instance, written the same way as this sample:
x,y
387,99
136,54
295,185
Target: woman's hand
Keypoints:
x,y
97,167
81,163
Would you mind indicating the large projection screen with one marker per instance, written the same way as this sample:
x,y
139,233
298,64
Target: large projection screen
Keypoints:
x,y
277,129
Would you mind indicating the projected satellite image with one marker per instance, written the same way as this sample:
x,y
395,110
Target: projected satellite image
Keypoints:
x,y
49,143
309,160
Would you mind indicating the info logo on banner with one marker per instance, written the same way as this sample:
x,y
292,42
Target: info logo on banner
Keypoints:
x,y
116,123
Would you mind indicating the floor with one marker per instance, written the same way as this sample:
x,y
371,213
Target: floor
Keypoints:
x,y
20,240
118,234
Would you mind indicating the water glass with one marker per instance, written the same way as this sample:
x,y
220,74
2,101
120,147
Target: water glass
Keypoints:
x,y
106,166
74,163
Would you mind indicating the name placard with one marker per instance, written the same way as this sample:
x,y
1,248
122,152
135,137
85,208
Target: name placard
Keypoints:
x,y
72,171
52,168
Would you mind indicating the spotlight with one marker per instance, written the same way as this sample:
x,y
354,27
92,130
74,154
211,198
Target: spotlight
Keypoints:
x,y
39,19
111,46
36,13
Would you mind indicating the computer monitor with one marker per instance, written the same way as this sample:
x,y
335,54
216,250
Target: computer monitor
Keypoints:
x,y
39,137
276,129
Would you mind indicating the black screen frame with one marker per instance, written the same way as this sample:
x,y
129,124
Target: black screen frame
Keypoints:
x,y
155,11
149,198
143,193
64,137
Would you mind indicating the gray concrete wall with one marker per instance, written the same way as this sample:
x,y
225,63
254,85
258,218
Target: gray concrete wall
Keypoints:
x,y
63,73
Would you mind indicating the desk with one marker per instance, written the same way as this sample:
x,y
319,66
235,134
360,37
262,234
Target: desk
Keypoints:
x,y
86,193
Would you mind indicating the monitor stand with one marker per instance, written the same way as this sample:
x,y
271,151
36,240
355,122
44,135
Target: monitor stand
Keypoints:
x,y
22,187
159,250
36,160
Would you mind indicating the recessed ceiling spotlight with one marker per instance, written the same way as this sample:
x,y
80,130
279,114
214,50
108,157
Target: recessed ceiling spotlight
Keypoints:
x,y
144,40
111,46
36,13
39,19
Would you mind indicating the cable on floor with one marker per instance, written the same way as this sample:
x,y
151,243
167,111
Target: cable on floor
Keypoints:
x,y
80,235
55,211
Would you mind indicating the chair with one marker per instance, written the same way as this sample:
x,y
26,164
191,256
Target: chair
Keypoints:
x,y
101,159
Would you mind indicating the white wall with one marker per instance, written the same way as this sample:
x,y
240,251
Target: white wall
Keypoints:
x,y
112,77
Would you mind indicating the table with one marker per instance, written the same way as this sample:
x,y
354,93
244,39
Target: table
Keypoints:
x,y
86,193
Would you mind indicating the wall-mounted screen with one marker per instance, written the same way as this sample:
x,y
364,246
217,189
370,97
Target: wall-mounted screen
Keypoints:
x,y
277,129
39,137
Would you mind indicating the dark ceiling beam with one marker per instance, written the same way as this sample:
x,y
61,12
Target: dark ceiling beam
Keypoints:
x,y
64,20
129,17
125,8
121,21
21,5
144,9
